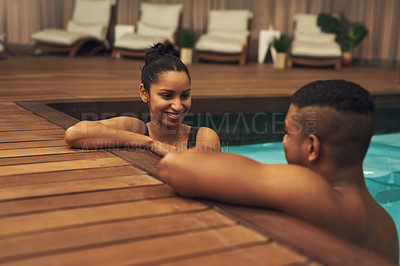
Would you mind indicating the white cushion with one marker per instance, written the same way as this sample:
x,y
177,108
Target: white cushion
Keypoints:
x,y
96,30
137,41
92,11
148,30
57,36
312,49
161,15
310,41
213,43
228,20
122,29
314,37
238,36
307,22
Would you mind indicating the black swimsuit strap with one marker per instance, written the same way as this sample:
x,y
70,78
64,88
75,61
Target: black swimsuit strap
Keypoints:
x,y
146,130
192,137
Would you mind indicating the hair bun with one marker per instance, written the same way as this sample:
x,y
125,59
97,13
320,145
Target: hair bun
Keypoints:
x,y
159,49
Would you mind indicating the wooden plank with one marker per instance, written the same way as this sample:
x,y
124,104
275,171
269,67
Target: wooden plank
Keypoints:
x,y
95,198
40,190
12,108
222,79
6,126
121,231
68,175
20,119
154,250
141,159
20,225
51,114
264,254
32,135
39,151
304,237
26,95
56,157
60,166
4,105
32,144
13,111
18,116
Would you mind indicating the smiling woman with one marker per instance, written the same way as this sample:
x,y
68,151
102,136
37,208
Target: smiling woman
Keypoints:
x,y
165,88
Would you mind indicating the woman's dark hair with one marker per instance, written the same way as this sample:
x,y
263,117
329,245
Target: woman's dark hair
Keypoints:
x,y
159,59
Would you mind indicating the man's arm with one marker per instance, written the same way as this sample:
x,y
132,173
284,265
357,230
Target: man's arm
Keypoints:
x,y
240,180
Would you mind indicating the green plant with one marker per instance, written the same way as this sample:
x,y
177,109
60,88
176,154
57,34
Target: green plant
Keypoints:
x,y
187,39
348,34
282,43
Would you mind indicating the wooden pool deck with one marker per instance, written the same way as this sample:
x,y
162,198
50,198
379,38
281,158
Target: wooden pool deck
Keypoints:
x,y
63,206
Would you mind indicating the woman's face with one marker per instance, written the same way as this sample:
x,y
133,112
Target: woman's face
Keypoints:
x,y
170,98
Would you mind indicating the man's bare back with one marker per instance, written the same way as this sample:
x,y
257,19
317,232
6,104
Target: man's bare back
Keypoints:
x,y
376,230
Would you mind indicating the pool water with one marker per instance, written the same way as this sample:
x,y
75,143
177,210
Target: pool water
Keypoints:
x,y
381,167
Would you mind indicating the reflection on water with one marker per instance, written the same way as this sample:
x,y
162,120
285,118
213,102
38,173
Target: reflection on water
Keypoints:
x,y
389,195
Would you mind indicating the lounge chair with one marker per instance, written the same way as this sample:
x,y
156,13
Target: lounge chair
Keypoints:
x,y
227,37
311,46
90,26
157,23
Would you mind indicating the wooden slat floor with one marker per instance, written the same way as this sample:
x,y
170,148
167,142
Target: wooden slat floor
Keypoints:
x,y
57,78
63,206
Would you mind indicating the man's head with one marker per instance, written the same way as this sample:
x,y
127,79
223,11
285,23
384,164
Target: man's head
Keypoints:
x,y
337,114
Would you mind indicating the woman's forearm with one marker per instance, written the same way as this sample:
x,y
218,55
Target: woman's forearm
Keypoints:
x,y
93,135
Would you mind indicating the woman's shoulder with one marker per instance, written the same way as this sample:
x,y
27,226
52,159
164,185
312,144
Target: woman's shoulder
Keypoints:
x,y
206,131
207,137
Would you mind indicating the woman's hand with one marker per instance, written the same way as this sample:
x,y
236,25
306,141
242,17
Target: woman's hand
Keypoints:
x,y
161,148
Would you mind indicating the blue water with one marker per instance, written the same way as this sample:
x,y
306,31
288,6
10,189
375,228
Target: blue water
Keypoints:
x,y
381,168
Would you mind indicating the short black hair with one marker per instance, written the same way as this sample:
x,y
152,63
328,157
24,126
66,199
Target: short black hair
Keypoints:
x,y
343,116
159,59
340,94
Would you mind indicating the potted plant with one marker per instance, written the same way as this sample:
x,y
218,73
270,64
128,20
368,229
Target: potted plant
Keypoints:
x,y
281,46
187,40
348,34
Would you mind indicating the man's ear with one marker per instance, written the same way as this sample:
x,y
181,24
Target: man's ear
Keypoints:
x,y
313,147
143,93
